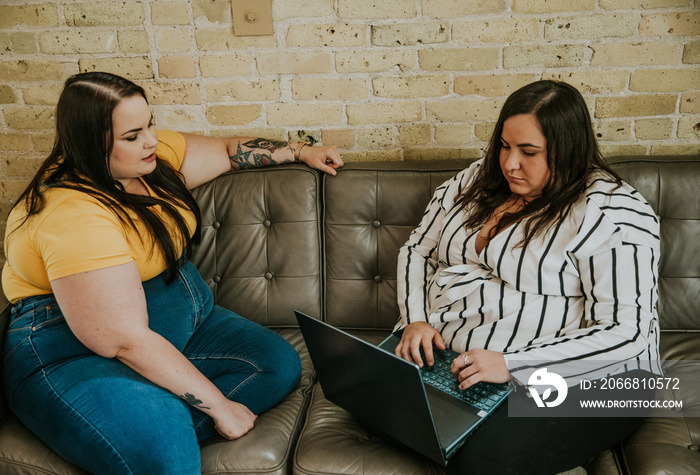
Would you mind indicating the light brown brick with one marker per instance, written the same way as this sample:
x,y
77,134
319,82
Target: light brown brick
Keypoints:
x,y
272,133
303,9
42,14
690,103
634,54
29,118
304,114
440,153
484,130
42,142
107,13
414,134
372,156
653,129
133,41
406,87
689,127
128,67
232,114
691,52
46,95
591,26
216,11
616,130
18,42
464,109
295,63
552,6
337,35
7,95
172,93
460,8
176,67
636,105
384,113
10,189
20,167
174,40
612,149
225,40
458,59
593,81
81,41
30,70
376,137
665,80
453,134
676,149
374,10
329,89
14,141
549,56
232,91
670,24
409,34
219,65
182,118
169,13
492,85
496,30
377,60
341,138
636,4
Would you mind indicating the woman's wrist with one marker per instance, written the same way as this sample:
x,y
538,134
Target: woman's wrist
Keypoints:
x,y
298,148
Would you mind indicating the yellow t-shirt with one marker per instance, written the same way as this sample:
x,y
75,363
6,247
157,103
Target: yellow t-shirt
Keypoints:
x,y
76,233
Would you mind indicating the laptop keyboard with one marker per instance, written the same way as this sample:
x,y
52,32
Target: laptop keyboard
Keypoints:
x,y
484,396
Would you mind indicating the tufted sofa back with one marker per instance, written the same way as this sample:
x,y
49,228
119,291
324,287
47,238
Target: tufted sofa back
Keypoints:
x,y
286,238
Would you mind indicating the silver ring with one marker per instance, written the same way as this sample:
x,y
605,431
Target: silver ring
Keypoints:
x,y
466,359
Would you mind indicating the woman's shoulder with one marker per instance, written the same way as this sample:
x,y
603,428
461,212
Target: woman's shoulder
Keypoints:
x,y
171,147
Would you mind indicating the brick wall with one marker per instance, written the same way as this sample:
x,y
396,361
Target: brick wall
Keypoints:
x,y
381,79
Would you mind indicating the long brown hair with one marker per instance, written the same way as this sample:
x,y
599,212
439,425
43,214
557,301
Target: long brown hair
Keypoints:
x,y
572,156
79,161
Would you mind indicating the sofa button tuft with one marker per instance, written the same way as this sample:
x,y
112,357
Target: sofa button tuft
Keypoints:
x,y
216,225
268,275
377,278
376,223
694,447
217,278
267,223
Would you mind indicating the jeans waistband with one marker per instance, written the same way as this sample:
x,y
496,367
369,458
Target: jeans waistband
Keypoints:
x,y
29,303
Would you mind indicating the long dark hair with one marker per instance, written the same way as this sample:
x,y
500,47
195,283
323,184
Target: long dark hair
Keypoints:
x,y
572,156
79,161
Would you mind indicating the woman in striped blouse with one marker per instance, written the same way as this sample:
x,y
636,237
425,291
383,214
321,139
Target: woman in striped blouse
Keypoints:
x,y
536,256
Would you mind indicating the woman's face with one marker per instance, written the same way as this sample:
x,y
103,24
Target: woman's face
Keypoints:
x,y
133,154
523,156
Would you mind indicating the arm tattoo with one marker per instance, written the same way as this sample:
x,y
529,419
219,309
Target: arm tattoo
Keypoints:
x,y
249,159
193,401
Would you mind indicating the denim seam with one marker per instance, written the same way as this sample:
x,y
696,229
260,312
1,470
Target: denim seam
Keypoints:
x,y
76,413
196,299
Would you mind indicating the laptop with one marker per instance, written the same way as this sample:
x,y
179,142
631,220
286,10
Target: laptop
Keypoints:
x,y
394,396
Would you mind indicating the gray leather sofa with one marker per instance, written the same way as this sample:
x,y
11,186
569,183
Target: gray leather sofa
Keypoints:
x,y
287,238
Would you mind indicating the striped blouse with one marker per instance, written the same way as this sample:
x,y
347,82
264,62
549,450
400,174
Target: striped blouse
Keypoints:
x,y
579,299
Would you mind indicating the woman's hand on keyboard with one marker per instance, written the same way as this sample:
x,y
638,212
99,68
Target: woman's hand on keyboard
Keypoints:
x,y
480,365
415,336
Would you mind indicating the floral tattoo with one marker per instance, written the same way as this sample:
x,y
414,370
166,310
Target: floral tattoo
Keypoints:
x,y
249,159
193,401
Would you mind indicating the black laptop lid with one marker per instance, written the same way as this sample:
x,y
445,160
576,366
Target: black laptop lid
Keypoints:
x,y
375,386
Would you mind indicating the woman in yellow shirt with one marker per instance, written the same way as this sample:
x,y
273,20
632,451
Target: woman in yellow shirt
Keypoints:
x,y
109,357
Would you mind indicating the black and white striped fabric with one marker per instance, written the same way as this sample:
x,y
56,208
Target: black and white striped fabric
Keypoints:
x,y
583,292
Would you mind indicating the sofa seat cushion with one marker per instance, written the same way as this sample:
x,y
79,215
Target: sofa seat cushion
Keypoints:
x,y
335,442
671,444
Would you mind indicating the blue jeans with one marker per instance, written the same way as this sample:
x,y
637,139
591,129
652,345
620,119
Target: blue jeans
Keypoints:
x,y
101,415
